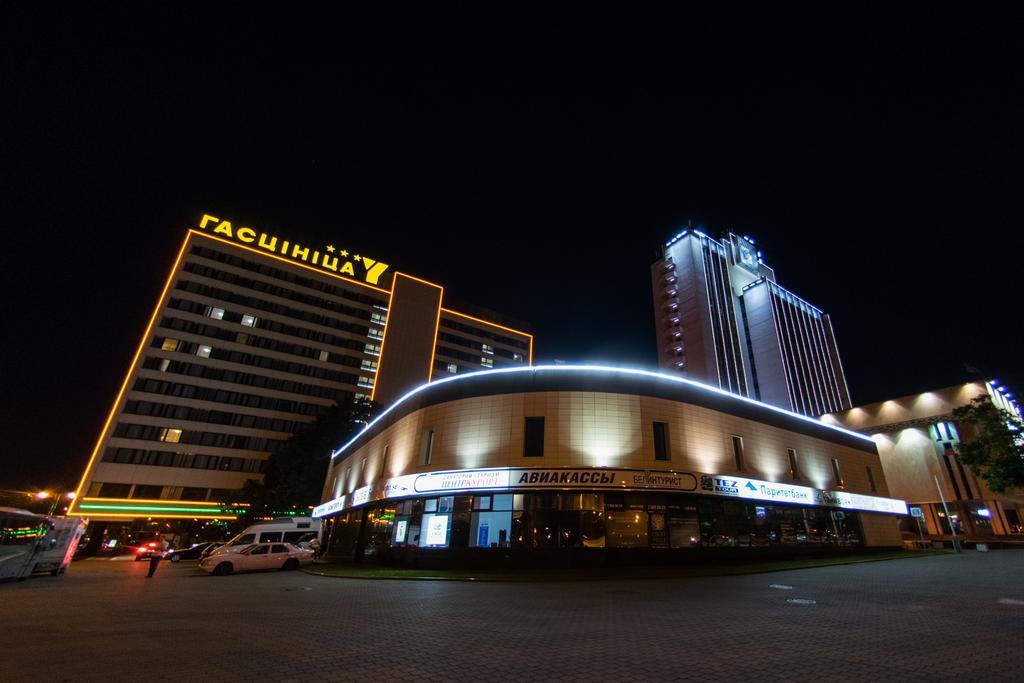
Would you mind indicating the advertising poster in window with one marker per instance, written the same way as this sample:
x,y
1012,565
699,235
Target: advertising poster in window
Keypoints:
x,y
437,529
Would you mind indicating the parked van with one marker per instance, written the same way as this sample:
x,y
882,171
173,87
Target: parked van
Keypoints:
x,y
294,530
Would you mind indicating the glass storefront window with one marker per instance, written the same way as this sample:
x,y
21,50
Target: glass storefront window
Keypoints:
x,y
597,520
981,516
683,528
503,501
626,529
944,522
490,530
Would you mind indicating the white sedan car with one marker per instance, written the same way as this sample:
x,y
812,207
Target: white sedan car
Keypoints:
x,y
257,557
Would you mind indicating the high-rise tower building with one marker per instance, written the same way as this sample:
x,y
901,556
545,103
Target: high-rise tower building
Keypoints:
x,y
722,319
252,338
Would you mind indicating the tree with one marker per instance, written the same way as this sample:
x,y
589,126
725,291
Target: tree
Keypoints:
x,y
995,449
295,475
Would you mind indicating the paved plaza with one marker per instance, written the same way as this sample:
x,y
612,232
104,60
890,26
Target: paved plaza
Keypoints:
x,y
947,617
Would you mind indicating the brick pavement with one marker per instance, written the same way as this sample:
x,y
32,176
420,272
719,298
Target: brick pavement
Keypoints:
x,y
936,618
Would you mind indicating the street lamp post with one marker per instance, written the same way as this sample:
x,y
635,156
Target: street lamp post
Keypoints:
x,y
952,528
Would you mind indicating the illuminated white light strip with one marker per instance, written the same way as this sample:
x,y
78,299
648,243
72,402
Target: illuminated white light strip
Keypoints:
x,y
597,368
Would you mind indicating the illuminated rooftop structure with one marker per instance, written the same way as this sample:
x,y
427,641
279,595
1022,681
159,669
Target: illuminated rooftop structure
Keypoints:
x,y
722,319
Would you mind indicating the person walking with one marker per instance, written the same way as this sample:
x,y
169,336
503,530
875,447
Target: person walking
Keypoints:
x,y
155,557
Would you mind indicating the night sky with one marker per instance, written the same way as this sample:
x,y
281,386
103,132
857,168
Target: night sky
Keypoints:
x,y
878,169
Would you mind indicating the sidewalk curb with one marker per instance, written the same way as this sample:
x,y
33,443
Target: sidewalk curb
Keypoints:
x,y
543,579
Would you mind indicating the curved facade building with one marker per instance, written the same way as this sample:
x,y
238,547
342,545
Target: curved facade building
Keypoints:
x,y
597,457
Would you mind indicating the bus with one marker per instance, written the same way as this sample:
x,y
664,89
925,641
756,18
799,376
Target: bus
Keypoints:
x,y
59,544
31,543
21,536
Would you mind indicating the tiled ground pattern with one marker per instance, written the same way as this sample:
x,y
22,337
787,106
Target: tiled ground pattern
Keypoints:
x,y
922,619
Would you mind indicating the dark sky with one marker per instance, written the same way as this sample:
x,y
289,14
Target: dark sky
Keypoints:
x,y
878,168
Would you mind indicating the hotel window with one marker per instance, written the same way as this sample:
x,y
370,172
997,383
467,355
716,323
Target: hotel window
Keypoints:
x,y
737,451
371,349
359,398
164,364
427,449
194,493
378,319
369,366
661,441
374,333
794,468
871,481
170,345
324,355
108,490
169,435
533,437
452,368
487,348
365,383
836,474
242,338
487,362
249,320
150,491
215,313
203,351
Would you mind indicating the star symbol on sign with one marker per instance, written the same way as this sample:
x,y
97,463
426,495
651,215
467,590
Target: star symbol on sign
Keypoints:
x,y
343,253
356,258
330,248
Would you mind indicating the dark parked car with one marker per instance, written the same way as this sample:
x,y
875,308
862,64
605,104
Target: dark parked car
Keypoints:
x,y
193,552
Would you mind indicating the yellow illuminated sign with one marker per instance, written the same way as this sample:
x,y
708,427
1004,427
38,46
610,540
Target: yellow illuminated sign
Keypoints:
x,y
328,257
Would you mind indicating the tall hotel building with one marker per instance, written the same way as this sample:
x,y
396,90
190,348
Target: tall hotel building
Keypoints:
x,y
251,339
722,319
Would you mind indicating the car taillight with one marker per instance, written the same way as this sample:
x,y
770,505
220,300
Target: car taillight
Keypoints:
x,y
140,550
